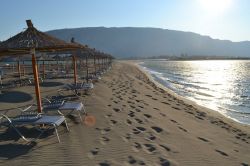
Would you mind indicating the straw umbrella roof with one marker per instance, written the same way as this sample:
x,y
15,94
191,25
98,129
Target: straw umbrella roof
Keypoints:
x,y
83,51
32,38
29,41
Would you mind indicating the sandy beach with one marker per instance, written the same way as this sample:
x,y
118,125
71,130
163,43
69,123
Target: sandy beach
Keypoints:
x,y
137,123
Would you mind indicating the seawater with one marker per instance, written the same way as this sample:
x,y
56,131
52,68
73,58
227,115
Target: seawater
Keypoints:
x,y
221,85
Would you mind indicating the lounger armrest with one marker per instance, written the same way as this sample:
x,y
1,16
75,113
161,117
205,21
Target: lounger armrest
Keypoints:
x,y
46,99
25,109
2,116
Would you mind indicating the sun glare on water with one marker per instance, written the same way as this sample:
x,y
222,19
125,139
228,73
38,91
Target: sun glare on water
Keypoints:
x,y
215,7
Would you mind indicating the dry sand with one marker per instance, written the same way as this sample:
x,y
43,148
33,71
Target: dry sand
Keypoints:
x,y
137,123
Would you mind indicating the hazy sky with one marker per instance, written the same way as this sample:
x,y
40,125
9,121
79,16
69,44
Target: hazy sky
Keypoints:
x,y
220,19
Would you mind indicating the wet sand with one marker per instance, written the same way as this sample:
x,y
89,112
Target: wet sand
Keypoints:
x,y
137,123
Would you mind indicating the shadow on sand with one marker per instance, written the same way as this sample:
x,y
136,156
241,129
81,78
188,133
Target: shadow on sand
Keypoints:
x,y
51,84
12,150
15,97
10,134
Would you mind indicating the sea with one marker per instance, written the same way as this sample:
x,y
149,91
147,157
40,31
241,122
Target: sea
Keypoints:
x,y
221,85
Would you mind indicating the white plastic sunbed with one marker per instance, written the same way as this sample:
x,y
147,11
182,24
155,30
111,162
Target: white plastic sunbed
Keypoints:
x,y
35,121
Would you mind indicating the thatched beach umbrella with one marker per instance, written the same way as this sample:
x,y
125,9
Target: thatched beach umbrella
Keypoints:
x,y
30,41
82,48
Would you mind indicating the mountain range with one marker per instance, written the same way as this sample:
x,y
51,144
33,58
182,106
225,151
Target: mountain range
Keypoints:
x,y
126,42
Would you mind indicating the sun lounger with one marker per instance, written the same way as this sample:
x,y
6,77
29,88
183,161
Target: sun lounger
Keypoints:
x,y
33,120
77,88
77,107
87,86
61,105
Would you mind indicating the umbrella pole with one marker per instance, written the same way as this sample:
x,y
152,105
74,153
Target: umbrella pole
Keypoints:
x,y
94,65
98,64
36,81
74,63
23,69
87,78
19,70
43,70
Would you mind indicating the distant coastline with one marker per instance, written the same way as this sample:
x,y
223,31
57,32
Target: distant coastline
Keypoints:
x,y
187,58
128,42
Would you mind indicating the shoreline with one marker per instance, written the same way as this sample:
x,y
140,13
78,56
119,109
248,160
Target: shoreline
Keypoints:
x,y
137,123
210,111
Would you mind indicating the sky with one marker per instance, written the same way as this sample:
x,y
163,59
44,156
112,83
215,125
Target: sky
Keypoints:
x,y
220,19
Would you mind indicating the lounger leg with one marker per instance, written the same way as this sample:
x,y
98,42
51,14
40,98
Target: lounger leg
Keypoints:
x,y
20,134
66,124
84,111
80,115
56,133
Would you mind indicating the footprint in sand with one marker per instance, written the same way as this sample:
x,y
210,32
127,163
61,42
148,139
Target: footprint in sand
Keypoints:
x,y
137,110
115,102
108,115
201,114
182,129
105,163
131,114
134,91
93,153
176,108
162,114
190,112
105,130
141,129
116,109
174,121
136,147
129,122
113,122
221,152
104,140
139,121
198,117
165,103
127,137
203,139
166,148
134,161
156,109
136,131
132,106
130,102
157,129
164,162
150,137
149,148
147,115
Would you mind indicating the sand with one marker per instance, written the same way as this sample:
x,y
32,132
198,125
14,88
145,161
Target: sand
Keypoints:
x,y
137,123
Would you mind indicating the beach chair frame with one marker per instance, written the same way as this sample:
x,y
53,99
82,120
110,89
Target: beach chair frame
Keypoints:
x,y
59,107
47,121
